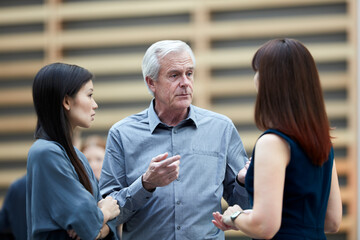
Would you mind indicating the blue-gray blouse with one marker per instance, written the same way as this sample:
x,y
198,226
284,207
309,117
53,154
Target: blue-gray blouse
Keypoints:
x,y
56,200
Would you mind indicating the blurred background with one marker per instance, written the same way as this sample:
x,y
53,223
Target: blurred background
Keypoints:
x,y
110,38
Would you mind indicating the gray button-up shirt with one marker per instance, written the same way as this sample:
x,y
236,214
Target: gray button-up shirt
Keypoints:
x,y
211,153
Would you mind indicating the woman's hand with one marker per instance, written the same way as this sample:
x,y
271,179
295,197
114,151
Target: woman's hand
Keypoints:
x,y
105,230
109,207
227,214
219,223
223,221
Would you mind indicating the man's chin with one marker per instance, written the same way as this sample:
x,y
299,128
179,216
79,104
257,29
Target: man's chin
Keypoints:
x,y
183,103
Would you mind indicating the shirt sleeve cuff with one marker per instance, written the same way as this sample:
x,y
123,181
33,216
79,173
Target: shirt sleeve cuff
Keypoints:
x,y
139,193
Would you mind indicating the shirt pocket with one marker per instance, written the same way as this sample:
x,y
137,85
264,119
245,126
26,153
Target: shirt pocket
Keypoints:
x,y
210,165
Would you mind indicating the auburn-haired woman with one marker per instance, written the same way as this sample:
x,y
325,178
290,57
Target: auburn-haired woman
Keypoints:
x,y
292,180
63,197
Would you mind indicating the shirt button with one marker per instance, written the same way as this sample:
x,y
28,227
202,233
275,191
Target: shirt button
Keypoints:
x,y
175,131
177,179
178,227
178,202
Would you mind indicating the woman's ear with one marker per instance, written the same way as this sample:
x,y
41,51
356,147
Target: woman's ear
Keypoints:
x,y
67,102
150,83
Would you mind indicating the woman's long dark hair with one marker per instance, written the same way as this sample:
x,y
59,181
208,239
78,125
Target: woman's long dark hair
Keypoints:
x,y
51,84
290,98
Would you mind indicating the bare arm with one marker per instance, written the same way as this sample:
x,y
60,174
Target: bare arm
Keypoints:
x,y
334,207
272,156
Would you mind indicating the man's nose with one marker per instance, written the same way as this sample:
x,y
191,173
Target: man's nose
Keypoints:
x,y
184,81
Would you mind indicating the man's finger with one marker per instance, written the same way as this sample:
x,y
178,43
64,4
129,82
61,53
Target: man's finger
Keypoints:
x,y
170,160
173,175
160,157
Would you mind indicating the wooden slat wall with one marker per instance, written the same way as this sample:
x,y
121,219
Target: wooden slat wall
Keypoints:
x,y
110,37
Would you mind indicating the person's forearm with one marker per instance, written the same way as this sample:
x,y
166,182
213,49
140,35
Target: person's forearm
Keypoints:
x,y
130,199
104,231
147,185
256,227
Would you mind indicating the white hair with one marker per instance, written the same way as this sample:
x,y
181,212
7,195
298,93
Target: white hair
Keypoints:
x,y
156,52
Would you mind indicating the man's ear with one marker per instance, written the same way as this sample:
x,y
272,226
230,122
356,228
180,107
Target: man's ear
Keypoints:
x,y
67,103
150,83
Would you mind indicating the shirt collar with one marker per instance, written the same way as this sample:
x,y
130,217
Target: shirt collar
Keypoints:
x,y
154,120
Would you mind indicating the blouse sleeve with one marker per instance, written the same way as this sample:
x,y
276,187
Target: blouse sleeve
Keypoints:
x,y
58,195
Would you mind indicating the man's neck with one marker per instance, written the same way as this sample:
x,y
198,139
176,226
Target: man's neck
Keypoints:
x,y
171,117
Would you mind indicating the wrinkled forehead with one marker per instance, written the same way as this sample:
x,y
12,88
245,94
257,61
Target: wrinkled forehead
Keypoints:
x,y
176,61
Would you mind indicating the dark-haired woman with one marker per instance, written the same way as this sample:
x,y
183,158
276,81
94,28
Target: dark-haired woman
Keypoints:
x,y
292,180
63,198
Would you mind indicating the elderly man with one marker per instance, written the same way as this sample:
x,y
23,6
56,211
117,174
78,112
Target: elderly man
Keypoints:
x,y
165,197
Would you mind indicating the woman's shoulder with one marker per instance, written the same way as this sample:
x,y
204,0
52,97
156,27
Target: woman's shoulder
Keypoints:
x,y
41,146
279,135
273,144
43,150
271,138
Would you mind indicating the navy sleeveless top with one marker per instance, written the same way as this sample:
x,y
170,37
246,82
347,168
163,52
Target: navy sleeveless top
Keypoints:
x,y
306,193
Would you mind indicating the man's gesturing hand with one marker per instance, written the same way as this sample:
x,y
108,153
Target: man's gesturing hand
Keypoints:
x,y
161,171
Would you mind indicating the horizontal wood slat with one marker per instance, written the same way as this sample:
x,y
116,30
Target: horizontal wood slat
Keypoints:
x,y
277,27
23,14
16,43
244,85
18,69
18,96
241,57
261,4
14,150
110,9
131,63
134,35
129,90
9,176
